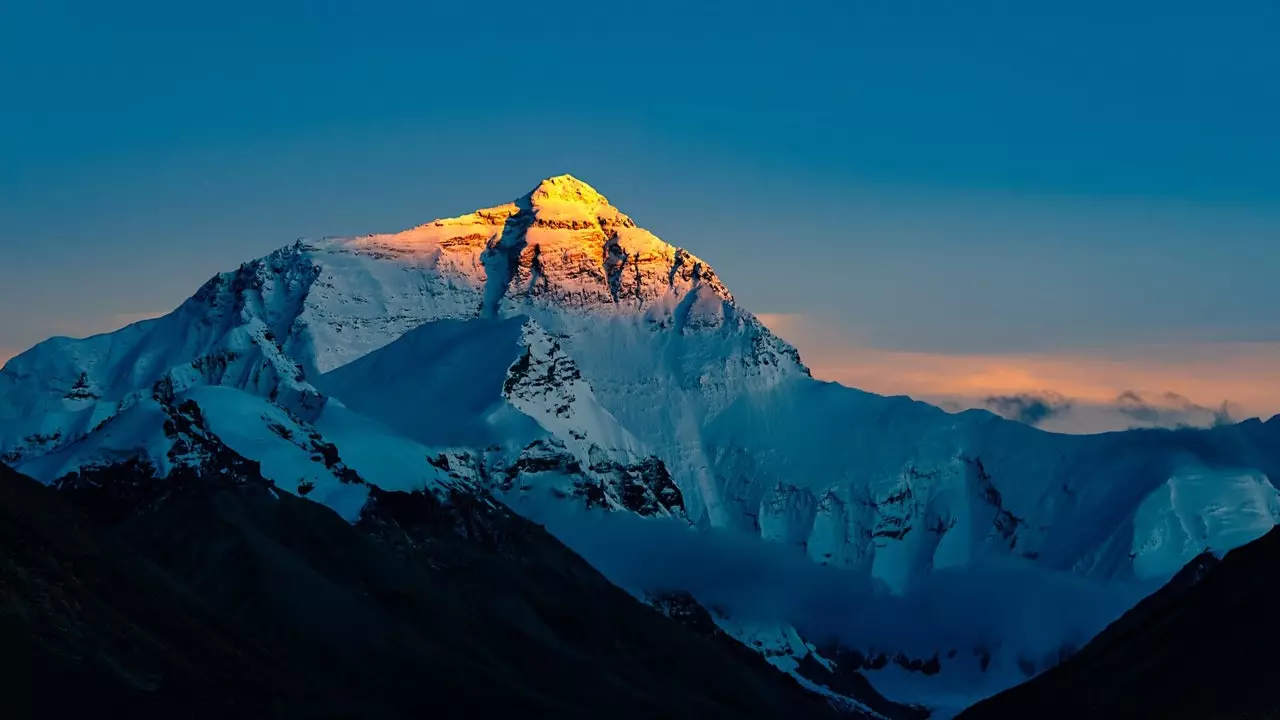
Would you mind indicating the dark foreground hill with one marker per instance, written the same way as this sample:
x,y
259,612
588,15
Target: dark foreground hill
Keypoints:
x,y
221,597
1206,645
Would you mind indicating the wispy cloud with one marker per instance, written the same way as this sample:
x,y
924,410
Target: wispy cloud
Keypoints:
x,y
1170,409
1029,408
1210,374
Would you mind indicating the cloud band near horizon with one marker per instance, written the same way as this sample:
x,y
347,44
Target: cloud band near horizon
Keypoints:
x,y
1171,379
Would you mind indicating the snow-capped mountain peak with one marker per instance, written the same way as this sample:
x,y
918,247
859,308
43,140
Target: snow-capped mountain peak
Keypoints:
x,y
611,297
550,347
569,190
562,202
561,243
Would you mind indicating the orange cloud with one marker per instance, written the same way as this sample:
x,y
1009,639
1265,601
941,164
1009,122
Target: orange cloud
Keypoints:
x,y
1247,374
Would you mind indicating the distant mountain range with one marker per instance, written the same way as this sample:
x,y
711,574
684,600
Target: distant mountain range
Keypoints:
x,y
550,356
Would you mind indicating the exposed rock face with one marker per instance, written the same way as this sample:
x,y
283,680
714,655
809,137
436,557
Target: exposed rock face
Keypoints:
x,y
643,487
546,384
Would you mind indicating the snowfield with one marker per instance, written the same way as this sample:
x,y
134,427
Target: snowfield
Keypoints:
x,y
552,352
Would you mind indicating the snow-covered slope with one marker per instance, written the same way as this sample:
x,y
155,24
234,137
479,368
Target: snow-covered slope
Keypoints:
x,y
550,347
898,487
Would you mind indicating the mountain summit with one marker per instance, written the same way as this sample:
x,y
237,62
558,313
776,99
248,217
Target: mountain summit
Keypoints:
x,y
629,321
566,188
563,244
549,352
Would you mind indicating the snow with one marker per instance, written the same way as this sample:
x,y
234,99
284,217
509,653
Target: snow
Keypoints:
x,y
440,383
134,433
245,423
1200,510
379,455
546,385
553,326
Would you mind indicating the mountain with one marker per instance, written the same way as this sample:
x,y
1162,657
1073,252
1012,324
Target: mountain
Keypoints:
x,y
1204,646
218,595
554,354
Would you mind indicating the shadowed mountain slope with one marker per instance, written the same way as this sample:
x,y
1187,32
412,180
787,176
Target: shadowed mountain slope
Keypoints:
x,y
1206,645
220,596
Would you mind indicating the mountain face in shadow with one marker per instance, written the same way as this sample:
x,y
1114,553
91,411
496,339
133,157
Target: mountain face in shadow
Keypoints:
x,y
1206,645
551,353
222,597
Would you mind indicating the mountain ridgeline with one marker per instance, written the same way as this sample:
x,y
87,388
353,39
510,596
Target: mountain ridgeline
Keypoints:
x,y
550,353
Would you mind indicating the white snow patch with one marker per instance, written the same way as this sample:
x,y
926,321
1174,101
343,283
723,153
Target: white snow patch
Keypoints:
x,y
1200,510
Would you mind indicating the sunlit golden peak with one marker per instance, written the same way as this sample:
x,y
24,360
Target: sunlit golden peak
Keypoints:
x,y
567,188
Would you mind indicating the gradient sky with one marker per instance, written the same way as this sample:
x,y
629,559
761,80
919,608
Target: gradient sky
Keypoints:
x,y
972,189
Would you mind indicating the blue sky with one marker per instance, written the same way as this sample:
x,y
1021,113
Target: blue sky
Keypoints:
x,y
1057,179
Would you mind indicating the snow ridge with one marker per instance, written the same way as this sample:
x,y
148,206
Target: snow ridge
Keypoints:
x,y
550,346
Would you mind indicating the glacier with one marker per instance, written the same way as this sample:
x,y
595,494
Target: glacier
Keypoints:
x,y
550,350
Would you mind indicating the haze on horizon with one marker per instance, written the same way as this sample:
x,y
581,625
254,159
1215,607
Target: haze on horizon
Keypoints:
x,y
1086,238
